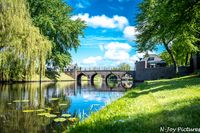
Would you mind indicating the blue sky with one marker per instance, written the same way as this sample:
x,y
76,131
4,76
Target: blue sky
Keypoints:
x,y
109,37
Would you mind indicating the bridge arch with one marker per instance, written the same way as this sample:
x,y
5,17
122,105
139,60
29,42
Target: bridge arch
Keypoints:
x,y
110,74
116,75
92,78
80,76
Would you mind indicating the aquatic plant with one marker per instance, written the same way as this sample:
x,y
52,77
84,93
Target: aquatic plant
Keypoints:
x,y
60,119
28,111
39,110
21,101
43,114
66,115
51,115
63,104
54,99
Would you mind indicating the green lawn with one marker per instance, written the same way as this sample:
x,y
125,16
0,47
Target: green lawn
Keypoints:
x,y
148,107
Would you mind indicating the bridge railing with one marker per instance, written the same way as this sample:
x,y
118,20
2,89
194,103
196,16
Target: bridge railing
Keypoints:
x,y
95,68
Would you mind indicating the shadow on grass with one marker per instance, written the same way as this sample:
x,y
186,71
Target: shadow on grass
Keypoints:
x,y
53,75
185,116
151,87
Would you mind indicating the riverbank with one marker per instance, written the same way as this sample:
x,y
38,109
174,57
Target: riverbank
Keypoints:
x,y
153,107
50,76
55,76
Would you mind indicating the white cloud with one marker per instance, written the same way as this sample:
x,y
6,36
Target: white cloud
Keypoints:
x,y
103,21
92,60
130,33
138,55
83,3
117,55
120,21
117,51
80,5
118,46
103,38
114,53
101,47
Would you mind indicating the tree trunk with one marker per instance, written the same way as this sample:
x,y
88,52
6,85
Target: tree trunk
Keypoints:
x,y
186,60
172,57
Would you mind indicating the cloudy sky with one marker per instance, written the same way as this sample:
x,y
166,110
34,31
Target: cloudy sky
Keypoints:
x,y
109,37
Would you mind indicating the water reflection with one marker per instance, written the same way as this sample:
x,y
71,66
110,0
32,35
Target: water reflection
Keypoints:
x,y
55,98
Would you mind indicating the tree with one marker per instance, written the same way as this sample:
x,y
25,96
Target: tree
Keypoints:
x,y
164,23
182,52
53,17
123,66
23,48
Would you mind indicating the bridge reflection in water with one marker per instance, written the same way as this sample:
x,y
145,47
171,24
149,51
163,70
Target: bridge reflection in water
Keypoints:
x,y
108,85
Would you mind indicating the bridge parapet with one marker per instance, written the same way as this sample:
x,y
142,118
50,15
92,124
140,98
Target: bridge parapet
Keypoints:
x,y
104,74
99,68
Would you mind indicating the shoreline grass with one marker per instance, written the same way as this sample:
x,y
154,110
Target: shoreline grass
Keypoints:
x,y
149,108
48,77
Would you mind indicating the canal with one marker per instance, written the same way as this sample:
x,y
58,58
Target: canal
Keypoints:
x,y
33,107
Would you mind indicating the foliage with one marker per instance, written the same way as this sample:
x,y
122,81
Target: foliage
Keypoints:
x,y
61,60
123,66
166,57
53,19
182,59
23,49
146,108
170,23
182,51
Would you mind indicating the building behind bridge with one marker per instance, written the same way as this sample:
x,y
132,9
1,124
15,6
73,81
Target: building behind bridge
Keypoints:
x,y
153,61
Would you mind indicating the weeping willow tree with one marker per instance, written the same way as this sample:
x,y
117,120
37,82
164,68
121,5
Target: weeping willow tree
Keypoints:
x,y
23,50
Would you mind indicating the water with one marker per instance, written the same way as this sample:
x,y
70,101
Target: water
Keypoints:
x,y
21,104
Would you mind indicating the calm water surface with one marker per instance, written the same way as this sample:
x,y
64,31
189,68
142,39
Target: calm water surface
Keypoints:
x,y
22,104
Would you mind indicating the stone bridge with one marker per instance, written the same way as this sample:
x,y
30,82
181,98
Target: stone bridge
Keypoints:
x,y
104,74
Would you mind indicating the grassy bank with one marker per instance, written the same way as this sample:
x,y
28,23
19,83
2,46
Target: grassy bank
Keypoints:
x,y
53,76
148,108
